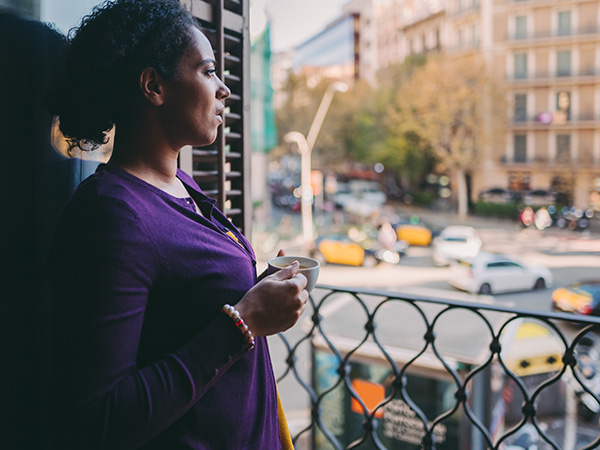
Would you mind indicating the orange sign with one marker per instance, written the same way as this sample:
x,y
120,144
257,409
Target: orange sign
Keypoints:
x,y
371,394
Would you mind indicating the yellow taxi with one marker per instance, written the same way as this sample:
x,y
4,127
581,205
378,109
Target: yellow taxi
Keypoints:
x,y
534,349
414,234
340,249
581,297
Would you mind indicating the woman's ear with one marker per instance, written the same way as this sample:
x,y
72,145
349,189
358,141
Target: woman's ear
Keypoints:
x,y
151,85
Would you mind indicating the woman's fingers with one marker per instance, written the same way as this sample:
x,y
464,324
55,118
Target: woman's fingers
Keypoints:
x,y
266,271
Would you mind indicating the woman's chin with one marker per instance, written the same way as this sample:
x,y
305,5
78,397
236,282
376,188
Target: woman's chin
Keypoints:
x,y
205,140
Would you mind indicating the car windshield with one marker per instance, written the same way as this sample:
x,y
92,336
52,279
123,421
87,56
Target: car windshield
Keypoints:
x,y
455,239
592,289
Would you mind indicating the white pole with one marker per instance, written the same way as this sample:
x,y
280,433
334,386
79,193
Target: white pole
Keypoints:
x,y
305,187
305,147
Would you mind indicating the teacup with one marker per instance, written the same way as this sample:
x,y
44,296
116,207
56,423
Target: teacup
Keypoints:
x,y
308,267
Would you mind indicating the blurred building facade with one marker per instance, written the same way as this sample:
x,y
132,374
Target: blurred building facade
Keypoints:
x,y
547,51
332,53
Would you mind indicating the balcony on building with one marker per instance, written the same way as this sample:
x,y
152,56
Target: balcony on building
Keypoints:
x,y
547,38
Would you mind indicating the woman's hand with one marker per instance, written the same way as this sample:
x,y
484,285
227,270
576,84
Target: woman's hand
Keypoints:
x,y
275,303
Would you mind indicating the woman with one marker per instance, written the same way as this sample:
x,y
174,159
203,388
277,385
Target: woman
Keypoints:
x,y
159,321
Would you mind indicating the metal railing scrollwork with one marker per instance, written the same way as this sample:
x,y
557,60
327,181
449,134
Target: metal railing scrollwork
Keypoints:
x,y
395,371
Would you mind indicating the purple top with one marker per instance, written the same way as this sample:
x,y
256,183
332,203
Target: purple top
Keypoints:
x,y
142,355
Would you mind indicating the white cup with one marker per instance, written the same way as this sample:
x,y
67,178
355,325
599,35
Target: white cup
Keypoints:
x,y
308,267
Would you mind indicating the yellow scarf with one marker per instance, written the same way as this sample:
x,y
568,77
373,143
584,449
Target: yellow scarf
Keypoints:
x,y
284,432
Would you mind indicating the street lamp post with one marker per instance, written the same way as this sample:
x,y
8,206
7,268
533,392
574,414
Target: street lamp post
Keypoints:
x,y
305,147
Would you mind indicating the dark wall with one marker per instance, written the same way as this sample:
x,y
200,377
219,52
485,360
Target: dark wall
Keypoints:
x,y
35,183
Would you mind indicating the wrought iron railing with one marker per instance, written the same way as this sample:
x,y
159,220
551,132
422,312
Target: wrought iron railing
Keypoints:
x,y
495,375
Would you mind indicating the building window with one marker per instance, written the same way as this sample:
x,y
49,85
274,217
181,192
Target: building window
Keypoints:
x,y
521,65
563,107
563,147
520,107
521,27
474,38
460,38
437,38
423,43
519,181
520,150
564,23
563,63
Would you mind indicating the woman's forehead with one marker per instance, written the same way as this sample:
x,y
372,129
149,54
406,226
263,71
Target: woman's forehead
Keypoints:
x,y
201,45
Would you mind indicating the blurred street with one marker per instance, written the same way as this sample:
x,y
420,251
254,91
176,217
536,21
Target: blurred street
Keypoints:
x,y
568,254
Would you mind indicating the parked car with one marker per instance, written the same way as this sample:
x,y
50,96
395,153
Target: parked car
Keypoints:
x,y
498,195
581,297
368,191
359,191
539,197
489,273
455,242
342,195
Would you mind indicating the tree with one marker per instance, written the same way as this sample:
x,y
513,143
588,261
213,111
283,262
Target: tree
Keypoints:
x,y
372,138
457,107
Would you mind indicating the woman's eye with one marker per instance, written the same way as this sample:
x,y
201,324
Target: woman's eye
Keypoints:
x,y
210,72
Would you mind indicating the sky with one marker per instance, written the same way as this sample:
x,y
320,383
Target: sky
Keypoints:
x,y
294,21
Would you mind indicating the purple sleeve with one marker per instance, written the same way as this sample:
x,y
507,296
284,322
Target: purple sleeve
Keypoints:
x,y
103,266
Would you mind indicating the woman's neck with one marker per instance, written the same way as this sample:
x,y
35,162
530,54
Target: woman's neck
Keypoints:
x,y
144,158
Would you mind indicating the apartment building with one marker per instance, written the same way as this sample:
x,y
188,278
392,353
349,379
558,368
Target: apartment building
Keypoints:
x,y
332,53
548,52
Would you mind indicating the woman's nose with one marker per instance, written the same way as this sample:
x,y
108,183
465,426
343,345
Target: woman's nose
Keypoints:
x,y
223,92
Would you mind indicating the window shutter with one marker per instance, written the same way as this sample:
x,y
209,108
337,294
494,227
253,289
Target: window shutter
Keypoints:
x,y
222,169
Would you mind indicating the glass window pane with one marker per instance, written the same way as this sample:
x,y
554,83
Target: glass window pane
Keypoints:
x,y
564,23
520,149
563,63
563,104
521,65
563,147
521,27
520,107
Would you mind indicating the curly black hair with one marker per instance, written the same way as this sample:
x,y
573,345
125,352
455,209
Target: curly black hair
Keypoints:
x,y
106,54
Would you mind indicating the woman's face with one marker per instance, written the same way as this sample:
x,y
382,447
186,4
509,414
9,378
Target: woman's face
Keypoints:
x,y
194,100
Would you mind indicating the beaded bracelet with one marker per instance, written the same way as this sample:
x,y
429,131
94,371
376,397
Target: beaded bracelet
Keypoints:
x,y
239,323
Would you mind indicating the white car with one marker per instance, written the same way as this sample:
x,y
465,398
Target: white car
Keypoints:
x,y
455,242
489,273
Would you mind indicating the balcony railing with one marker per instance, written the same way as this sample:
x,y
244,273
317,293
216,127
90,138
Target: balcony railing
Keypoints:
x,y
582,161
584,75
554,35
546,119
501,368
